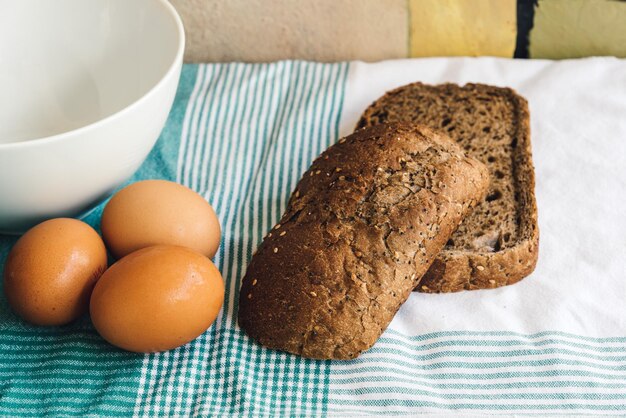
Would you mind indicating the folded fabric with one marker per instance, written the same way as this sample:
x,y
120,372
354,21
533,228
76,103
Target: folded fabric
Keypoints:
x,y
242,134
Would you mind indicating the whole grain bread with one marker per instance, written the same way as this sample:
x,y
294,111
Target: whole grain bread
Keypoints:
x,y
361,228
497,244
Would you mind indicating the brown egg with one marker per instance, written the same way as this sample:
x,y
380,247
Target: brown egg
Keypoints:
x,y
155,212
157,298
51,270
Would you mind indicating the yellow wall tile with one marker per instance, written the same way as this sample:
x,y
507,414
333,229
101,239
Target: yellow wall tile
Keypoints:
x,y
462,27
578,28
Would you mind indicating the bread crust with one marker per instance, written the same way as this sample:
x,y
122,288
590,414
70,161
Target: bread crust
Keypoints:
x,y
462,269
361,228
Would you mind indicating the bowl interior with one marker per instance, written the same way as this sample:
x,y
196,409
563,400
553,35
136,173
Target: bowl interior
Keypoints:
x,y
69,63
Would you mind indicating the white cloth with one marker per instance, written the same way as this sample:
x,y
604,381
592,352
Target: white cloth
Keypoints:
x,y
578,135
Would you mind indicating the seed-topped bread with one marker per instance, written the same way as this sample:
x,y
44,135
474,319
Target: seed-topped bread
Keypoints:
x,y
497,244
361,228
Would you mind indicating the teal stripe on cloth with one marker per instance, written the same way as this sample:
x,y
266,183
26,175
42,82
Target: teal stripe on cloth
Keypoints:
x,y
248,133
550,372
240,135
70,370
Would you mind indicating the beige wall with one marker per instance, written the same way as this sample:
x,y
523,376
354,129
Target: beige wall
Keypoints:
x,y
320,30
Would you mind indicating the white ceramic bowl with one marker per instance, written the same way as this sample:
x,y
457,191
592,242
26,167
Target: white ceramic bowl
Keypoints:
x,y
85,89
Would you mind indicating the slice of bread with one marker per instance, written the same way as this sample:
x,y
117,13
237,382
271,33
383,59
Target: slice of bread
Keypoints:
x,y
362,227
497,244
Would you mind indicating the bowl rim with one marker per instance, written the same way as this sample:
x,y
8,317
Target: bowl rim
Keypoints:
x,y
173,14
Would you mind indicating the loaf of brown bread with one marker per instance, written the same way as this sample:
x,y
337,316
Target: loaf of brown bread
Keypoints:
x,y
361,228
497,244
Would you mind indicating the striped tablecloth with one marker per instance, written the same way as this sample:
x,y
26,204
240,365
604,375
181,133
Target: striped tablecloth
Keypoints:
x,y
241,135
